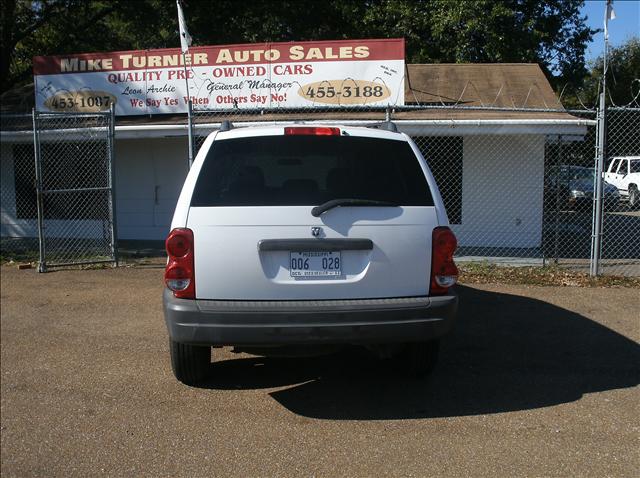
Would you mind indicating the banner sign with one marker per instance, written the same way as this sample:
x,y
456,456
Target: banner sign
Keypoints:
x,y
323,73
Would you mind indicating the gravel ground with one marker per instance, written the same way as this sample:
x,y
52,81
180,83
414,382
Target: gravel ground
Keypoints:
x,y
535,381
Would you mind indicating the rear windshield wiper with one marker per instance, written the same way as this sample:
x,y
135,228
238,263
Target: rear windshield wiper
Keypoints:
x,y
316,211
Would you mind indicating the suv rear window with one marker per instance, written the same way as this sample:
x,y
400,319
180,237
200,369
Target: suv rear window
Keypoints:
x,y
309,170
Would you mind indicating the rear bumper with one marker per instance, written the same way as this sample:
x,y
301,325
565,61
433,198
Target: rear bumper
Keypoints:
x,y
227,322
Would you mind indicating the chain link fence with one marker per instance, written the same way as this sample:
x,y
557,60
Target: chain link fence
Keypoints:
x,y
19,216
621,224
517,183
58,189
568,185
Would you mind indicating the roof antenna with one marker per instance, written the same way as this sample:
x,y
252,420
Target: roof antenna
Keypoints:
x,y
226,125
389,126
386,125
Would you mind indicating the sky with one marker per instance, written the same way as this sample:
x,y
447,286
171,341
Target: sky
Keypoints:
x,y
626,24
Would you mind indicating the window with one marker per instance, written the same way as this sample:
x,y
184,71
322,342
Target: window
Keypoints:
x,y
444,157
309,170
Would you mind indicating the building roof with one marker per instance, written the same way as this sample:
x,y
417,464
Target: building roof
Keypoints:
x,y
502,90
20,99
505,85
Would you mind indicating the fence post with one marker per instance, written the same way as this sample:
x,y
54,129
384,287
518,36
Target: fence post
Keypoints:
x,y
556,236
112,184
42,265
601,151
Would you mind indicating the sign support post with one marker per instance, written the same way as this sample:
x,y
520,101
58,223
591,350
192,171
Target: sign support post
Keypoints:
x,y
189,111
185,42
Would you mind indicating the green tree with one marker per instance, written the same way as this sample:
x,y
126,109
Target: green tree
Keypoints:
x,y
552,33
623,75
623,79
49,27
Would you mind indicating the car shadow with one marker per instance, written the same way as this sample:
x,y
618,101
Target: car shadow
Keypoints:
x,y
507,353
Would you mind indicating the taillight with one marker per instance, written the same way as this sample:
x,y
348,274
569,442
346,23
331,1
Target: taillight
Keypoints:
x,y
313,131
179,274
444,272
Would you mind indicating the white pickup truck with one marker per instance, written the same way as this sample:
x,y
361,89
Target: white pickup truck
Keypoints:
x,y
624,173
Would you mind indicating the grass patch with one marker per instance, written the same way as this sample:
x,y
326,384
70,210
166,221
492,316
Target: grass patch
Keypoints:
x,y
486,273
24,257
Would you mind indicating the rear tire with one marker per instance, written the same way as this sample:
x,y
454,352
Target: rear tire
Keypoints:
x,y
421,358
190,363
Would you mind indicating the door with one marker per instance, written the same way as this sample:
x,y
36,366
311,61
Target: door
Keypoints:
x,y
617,172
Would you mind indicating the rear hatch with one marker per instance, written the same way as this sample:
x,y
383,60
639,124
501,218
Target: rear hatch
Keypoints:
x,y
257,237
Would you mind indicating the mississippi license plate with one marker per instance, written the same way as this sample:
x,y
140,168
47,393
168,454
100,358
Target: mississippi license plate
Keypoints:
x,y
314,264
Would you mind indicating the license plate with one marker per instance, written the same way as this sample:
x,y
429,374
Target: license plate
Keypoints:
x,y
314,264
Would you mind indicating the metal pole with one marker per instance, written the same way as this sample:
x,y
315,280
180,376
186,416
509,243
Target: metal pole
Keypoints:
x,y
112,184
556,239
601,151
190,132
189,121
42,265
596,241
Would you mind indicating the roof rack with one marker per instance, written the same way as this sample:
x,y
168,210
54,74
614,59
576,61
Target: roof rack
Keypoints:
x,y
226,125
387,125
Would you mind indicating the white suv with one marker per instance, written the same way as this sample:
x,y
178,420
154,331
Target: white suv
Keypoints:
x,y
308,235
624,173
